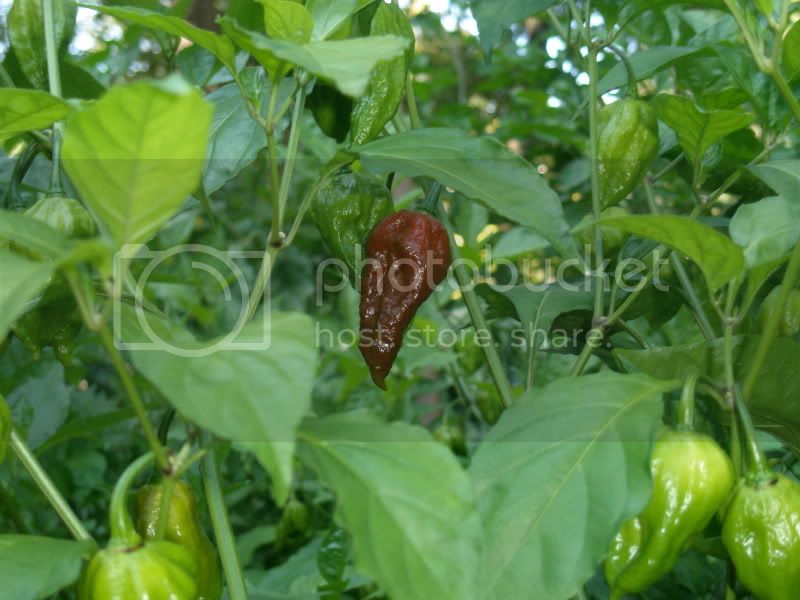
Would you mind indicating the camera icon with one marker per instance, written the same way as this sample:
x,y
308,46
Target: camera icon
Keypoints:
x,y
138,323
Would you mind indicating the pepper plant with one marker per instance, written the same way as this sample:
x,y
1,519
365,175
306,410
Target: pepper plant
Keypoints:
x,y
355,299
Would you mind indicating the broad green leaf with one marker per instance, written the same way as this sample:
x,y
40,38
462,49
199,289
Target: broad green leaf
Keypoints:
x,y
400,495
253,392
287,20
33,567
775,401
697,129
137,153
758,276
791,52
31,235
493,16
718,257
557,475
25,110
783,176
218,45
26,30
329,16
234,140
766,230
346,63
481,169
22,280
645,63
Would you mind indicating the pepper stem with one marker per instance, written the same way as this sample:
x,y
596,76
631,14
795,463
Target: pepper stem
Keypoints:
x,y
756,461
686,406
120,518
432,199
633,92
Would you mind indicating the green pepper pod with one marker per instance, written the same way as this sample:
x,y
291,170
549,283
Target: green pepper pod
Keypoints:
x,y
346,209
387,83
63,214
182,528
628,144
623,548
130,568
761,531
692,477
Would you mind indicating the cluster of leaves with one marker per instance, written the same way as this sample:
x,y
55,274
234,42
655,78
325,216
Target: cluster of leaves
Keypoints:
x,y
169,144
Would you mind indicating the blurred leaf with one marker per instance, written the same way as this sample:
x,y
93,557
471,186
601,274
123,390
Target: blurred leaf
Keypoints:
x,y
40,404
791,52
31,235
495,15
253,393
718,257
24,575
329,16
26,110
400,494
766,230
23,279
137,153
218,45
783,176
557,475
346,63
287,20
697,129
480,168
645,63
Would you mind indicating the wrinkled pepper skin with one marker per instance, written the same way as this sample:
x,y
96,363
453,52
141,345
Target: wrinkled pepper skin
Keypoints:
x,y
408,255
387,83
628,144
346,209
789,324
692,477
183,528
65,215
761,531
155,570
623,548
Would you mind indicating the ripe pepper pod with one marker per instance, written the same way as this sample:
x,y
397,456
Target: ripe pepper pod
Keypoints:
x,y
183,528
692,477
346,209
628,144
407,256
761,531
131,568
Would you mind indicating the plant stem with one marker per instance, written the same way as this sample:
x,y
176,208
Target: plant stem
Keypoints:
x,y
119,515
686,406
790,278
633,92
150,434
493,362
291,152
411,100
164,504
594,149
48,488
222,528
55,90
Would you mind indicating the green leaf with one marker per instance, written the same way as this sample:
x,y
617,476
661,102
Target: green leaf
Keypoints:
x,y
783,176
718,257
646,63
791,52
31,235
235,138
26,30
697,129
557,475
137,153
33,567
493,16
346,63
23,279
218,45
775,400
766,230
329,16
25,110
480,168
400,495
287,20
253,395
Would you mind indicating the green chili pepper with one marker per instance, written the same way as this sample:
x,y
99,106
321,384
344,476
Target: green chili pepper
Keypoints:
x,y
346,209
628,144
387,83
65,215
